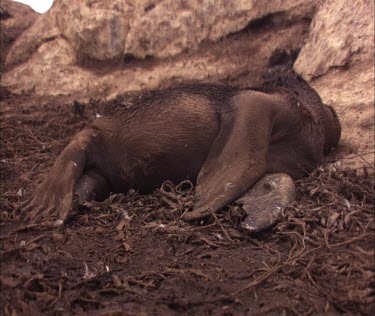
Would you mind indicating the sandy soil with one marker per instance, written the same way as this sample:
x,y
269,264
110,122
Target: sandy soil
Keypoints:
x,y
132,255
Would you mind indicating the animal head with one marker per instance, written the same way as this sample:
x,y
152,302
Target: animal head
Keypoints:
x,y
324,114
332,128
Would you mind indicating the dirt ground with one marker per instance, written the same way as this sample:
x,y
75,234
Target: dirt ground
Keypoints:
x,y
132,255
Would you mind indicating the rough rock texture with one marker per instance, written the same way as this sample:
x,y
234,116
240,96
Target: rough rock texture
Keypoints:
x,y
55,68
170,27
15,18
106,30
338,58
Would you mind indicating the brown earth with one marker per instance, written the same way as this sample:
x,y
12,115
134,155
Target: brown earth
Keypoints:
x,y
132,255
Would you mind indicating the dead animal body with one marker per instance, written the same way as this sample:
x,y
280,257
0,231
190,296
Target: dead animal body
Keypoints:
x,y
243,145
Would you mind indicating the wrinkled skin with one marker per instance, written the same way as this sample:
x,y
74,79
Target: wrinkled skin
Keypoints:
x,y
224,139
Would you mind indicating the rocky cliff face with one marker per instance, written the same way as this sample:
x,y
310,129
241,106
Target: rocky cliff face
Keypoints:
x,y
91,48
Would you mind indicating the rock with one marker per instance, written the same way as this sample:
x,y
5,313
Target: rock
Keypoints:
x,y
171,27
15,18
95,30
108,30
338,59
48,58
340,32
241,58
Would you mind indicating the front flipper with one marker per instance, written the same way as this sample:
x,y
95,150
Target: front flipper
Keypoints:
x,y
237,158
52,200
266,201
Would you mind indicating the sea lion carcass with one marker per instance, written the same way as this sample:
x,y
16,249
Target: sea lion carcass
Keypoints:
x,y
223,137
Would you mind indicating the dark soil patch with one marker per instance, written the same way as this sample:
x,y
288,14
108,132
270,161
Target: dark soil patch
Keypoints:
x,y
131,255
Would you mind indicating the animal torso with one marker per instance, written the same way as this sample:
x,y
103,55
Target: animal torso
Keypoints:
x,y
168,135
166,140
224,139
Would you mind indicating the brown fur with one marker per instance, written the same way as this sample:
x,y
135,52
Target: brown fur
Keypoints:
x,y
224,138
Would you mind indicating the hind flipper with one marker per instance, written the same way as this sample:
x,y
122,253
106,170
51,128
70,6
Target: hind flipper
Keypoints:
x,y
52,200
237,158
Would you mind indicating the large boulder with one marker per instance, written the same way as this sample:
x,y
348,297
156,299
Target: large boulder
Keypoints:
x,y
15,18
169,27
107,30
338,60
94,48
